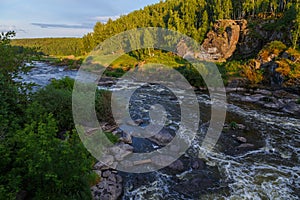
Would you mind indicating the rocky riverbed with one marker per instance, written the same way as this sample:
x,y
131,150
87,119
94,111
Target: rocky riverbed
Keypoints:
x,y
256,156
260,137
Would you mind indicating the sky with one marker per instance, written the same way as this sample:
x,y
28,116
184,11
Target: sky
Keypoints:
x,y
61,18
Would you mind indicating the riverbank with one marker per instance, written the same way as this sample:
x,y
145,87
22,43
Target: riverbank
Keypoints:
x,y
69,62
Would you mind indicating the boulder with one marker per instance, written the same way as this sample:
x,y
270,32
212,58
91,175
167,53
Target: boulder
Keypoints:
x,y
292,108
105,163
126,138
162,138
198,164
241,139
177,166
110,187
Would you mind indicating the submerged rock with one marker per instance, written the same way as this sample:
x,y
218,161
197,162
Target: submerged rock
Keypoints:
x,y
162,138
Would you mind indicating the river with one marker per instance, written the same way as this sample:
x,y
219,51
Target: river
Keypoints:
x,y
268,168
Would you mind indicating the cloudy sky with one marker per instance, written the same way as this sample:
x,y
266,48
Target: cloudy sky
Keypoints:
x,y
61,18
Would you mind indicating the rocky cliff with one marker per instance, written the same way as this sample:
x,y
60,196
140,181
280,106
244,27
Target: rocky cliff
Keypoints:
x,y
222,40
238,38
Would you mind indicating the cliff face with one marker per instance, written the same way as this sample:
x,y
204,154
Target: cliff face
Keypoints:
x,y
222,40
236,38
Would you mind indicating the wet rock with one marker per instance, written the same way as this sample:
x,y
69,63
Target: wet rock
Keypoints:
x,y
241,139
198,164
252,98
162,138
105,163
110,187
195,184
246,145
112,178
263,92
241,126
106,174
126,138
139,121
121,150
177,166
292,108
283,94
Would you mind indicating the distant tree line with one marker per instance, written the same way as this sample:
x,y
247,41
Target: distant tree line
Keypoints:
x,y
53,46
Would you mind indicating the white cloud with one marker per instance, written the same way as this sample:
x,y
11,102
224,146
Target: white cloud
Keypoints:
x,y
104,18
6,28
77,26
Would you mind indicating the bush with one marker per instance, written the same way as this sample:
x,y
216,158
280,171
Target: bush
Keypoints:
x,y
56,98
103,106
272,50
51,168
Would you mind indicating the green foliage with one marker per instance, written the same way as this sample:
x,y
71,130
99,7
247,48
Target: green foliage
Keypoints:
x,y
192,75
296,31
117,72
111,137
298,101
55,98
11,60
103,106
274,48
51,168
53,46
35,163
233,125
190,17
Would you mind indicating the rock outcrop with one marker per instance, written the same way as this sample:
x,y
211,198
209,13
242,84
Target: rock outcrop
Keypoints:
x,y
220,44
222,40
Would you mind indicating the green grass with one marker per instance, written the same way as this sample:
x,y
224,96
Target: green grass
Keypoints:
x,y
111,137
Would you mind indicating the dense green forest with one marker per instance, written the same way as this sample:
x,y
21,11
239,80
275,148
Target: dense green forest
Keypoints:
x,y
194,17
53,46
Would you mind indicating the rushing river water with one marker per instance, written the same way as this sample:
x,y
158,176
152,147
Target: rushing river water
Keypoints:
x,y
270,169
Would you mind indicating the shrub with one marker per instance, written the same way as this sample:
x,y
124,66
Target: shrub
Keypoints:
x,y
51,168
271,50
283,67
103,106
233,125
55,100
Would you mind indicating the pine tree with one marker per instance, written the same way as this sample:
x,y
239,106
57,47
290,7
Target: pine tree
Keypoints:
x,y
296,31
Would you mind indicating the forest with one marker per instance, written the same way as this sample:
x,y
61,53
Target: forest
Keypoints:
x,y
195,17
52,46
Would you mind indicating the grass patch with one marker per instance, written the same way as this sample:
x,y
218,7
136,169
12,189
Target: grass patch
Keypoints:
x,y
111,137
